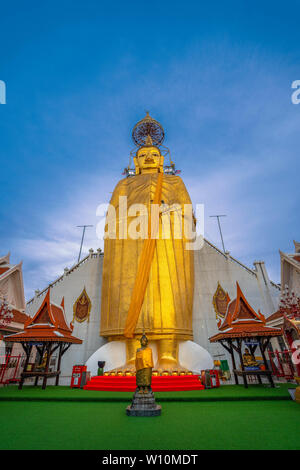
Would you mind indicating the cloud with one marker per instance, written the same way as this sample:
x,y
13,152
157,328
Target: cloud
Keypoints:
x,y
56,242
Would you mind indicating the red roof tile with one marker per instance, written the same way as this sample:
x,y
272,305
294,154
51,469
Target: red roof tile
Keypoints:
x,y
3,270
241,320
19,317
274,316
60,320
246,331
48,324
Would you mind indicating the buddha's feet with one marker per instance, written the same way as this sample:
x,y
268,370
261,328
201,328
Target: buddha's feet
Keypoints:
x,y
126,369
166,365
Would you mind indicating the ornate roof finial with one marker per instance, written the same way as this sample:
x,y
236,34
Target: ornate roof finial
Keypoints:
x,y
148,127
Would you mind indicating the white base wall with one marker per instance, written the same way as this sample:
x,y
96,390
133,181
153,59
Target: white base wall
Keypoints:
x,y
211,266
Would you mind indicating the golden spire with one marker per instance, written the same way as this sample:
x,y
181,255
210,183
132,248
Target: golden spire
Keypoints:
x,y
148,127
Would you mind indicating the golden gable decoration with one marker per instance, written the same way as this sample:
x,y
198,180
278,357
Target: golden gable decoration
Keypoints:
x,y
82,307
220,302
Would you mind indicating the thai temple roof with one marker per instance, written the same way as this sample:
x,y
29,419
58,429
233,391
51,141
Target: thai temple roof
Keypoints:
x,y
241,320
275,316
12,289
19,316
48,324
292,258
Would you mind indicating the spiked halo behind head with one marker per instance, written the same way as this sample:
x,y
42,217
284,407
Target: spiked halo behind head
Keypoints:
x,y
148,133
148,127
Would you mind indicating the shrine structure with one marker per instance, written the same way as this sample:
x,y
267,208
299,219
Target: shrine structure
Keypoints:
x,y
48,332
242,325
12,300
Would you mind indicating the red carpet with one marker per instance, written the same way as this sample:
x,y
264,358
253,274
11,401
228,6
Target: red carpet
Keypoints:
x,y
166,383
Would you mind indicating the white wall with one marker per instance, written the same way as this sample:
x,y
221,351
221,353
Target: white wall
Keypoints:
x,y
211,266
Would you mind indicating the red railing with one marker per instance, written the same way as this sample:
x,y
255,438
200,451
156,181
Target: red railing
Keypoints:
x,y
281,363
11,367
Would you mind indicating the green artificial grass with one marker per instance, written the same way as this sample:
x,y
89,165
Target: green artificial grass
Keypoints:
x,y
182,425
229,417
224,393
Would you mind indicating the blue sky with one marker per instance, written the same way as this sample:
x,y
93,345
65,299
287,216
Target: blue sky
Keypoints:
x,y
79,75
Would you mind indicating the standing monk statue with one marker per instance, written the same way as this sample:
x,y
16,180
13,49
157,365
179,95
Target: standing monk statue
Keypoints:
x,y
148,280
143,366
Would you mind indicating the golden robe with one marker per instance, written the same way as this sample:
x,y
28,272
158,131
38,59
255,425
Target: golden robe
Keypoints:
x,y
168,303
144,359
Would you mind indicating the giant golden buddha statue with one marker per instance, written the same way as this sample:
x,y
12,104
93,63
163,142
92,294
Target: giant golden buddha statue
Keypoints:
x,y
148,281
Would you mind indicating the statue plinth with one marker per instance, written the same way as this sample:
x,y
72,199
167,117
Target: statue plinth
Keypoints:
x,y
143,404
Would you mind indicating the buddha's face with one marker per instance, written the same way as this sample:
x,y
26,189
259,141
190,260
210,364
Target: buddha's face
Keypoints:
x,y
144,341
148,159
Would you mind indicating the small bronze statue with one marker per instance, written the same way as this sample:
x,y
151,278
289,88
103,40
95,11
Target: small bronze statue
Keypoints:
x,y
144,365
143,402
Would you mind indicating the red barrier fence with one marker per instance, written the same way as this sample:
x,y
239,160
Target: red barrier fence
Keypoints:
x,y
281,363
11,368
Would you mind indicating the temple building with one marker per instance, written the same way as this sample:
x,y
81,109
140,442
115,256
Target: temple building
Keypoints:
x,y
12,292
290,285
239,326
47,332
290,269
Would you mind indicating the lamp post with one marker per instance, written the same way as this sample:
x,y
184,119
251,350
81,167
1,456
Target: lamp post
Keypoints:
x,y
218,218
83,232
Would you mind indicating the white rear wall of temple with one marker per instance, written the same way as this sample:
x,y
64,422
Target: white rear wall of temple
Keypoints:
x,y
211,266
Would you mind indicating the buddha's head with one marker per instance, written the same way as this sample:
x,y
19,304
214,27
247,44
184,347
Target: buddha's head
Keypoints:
x,y
148,158
144,341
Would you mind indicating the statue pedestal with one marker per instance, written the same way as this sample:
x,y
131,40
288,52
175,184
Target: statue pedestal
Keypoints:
x,y
167,383
143,404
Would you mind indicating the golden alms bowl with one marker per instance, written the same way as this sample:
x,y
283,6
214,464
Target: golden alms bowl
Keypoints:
x,y
120,373
129,373
155,373
165,372
182,373
113,373
106,373
189,373
175,372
